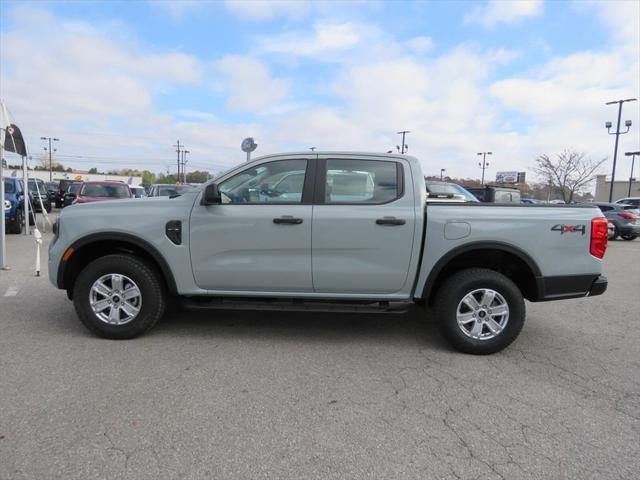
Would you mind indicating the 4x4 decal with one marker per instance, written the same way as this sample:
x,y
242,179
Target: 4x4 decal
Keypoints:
x,y
569,229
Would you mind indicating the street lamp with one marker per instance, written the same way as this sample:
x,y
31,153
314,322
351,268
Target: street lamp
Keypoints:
x,y
633,159
45,149
442,170
617,133
404,147
484,164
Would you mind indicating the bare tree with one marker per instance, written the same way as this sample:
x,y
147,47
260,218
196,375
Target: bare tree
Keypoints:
x,y
570,172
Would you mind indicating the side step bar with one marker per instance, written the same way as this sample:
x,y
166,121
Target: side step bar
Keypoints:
x,y
295,305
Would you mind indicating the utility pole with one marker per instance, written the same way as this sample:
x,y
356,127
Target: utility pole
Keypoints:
x,y
484,163
404,147
617,134
633,161
45,148
184,163
442,170
177,145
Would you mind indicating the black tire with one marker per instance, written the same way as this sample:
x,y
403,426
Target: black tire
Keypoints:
x,y
48,208
146,278
456,287
629,237
32,218
15,227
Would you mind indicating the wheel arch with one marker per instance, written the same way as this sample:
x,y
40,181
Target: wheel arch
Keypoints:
x,y
499,256
91,247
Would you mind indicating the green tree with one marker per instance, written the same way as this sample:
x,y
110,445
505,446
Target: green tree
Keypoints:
x,y
197,177
148,177
93,170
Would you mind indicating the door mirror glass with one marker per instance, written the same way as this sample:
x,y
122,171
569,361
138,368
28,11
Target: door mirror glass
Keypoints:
x,y
211,195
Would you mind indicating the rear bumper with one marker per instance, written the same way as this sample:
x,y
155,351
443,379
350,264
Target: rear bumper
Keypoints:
x,y
570,286
629,229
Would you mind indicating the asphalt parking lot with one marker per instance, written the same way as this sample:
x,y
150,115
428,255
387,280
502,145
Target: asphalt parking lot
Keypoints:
x,y
272,395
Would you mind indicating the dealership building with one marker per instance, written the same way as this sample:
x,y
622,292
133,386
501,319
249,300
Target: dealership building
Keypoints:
x,y
620,188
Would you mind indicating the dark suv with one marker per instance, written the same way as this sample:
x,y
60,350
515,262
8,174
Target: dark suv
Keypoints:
x,y
41,190
62,189
625,219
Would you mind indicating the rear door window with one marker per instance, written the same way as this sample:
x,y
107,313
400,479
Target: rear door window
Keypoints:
x,y
362,181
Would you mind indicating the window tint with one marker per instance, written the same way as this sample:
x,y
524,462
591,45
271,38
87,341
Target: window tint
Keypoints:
x,y
105,190
9,186
605,208
273,182
171,190
361,181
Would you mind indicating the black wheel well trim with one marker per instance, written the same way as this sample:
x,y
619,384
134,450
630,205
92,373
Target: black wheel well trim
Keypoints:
x,y
481,245
126,238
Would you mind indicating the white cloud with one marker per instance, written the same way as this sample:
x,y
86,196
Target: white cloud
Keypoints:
x,y
501,11
248,84
421,44
268,9
326,39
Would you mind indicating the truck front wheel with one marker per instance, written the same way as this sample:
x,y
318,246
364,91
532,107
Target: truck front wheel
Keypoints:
x,y
119,296
480,311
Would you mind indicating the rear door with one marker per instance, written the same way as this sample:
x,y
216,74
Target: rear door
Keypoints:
x,y
259,238
363,225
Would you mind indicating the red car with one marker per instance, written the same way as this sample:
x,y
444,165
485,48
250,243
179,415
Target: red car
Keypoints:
x,y
99,191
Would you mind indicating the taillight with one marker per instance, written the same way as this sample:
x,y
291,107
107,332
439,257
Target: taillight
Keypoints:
x,y
627,215
599,237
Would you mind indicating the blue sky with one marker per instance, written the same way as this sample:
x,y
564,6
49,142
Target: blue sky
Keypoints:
x,y
119,82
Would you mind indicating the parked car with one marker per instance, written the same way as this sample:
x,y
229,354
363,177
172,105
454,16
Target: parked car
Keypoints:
x,y
236,242
168,190
14,205
138,191
611,229
530,201
496,194
629,201
625,218
447,192
70,194
52,188
91,192
39,191
63,186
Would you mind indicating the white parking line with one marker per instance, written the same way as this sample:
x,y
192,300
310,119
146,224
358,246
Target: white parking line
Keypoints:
x,y
12,291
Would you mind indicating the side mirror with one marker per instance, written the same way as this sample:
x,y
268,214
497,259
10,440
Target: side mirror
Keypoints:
x,y
211,195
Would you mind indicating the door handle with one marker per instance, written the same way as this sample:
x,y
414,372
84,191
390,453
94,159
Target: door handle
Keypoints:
x,y
286,220
390,221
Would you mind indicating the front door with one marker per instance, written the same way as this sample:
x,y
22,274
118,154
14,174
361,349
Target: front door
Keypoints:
x,y
363,226
259,238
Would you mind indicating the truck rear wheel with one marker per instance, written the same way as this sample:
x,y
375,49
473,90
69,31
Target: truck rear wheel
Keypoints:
x,y
480,311
119,296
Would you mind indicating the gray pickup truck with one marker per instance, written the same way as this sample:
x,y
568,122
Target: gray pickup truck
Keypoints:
x,y
330,231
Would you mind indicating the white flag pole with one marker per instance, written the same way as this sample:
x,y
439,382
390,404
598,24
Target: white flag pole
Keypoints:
x,y
3,248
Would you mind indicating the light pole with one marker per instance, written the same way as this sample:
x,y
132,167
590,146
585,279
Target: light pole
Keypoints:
x,y
484,163
617,133
442,170
633,160
45,148
184,165
404,147
313,149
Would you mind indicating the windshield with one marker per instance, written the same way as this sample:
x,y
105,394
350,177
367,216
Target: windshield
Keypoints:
x,y
74,187
449,189
107,190
170,190
32,186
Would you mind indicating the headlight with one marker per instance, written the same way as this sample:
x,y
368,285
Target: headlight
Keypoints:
x,y
7,205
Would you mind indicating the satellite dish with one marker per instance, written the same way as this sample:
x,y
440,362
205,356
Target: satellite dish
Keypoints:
x,y
248,145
